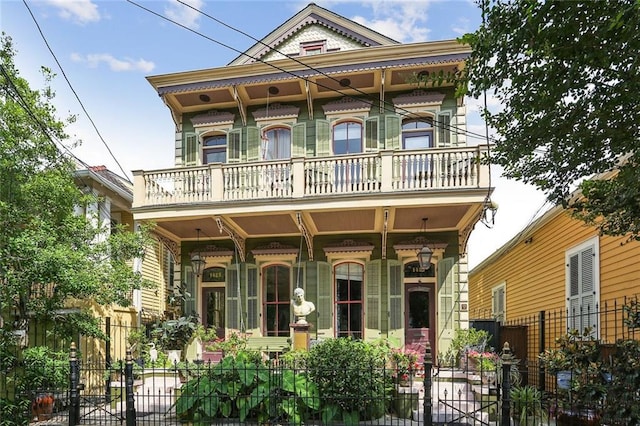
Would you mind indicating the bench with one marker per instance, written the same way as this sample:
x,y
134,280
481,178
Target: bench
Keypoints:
x,y
276,344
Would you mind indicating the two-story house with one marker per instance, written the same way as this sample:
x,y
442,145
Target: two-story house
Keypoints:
x,y
315,160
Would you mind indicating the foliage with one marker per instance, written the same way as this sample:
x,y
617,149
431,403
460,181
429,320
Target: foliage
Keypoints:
x,y
485,361
51,256
526,405
175,334
240,385
622,405
464,340
565,74
404,363
233,344
632,314
13,411
43,369
350,393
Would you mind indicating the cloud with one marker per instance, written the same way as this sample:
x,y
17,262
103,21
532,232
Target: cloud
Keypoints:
x,y
79,11
461,26
93,60
183,14
402,21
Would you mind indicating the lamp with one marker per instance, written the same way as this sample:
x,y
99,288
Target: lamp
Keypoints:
x,y
197,262
425,253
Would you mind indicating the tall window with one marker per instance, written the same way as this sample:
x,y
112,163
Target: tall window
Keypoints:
x,y
214,149
277,298
276,144
583,290
349,292
347,138
417,133
498,302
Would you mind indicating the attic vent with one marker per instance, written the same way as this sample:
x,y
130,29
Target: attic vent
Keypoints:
x,y
313,47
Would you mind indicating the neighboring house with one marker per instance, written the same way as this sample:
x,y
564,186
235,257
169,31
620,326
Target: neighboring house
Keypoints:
x,y
115,195
316,170
563,268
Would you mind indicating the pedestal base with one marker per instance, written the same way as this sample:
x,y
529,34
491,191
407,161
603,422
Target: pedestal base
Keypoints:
x,y
300,336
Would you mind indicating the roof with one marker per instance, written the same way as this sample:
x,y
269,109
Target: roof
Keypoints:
x,y
108,179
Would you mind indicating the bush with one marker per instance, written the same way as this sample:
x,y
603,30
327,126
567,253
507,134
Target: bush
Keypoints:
x,y
351,376
622,405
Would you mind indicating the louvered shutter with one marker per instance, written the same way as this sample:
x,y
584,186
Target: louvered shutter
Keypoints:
x,y
498,303
234,146
325,295
253,323
371,131
392,131
190,149
372,307
396,316
253,144
323,138
446,293
233,298
190,296
582,291
444,130
299,133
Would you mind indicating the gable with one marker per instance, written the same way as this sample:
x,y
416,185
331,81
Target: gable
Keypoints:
x,y
311,21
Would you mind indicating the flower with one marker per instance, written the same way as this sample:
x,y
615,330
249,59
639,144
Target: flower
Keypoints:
x,y
485,361
404,363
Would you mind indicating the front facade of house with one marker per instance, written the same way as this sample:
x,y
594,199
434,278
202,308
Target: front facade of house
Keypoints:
x,y
313,160
558,264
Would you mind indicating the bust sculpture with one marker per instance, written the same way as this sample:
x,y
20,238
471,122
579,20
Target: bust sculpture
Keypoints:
x,y
301,307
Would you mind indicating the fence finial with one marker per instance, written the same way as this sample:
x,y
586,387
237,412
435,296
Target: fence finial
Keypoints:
x,y
506,352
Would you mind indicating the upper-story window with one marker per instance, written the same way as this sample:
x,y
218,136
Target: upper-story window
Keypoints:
x,y
313,47
276,144
277,299
214,149
417,133
347,138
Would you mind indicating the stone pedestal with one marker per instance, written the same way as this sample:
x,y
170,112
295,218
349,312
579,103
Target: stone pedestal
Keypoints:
x,y
300,336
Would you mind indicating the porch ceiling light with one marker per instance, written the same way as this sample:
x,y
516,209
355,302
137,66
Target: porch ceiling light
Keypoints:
x,y
425,253
197,261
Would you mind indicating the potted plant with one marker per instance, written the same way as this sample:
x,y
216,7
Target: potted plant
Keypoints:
x,y
405,364
44,371
526,406
173,335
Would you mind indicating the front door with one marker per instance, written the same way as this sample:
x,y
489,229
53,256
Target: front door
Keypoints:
x,y
213,309
420,318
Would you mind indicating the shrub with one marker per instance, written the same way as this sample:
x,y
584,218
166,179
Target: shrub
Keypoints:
x,y
350,375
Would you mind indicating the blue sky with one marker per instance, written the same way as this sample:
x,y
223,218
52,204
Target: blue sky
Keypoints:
x,y
107,48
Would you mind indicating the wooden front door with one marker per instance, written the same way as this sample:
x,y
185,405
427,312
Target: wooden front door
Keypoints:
x,y
213,309
420,317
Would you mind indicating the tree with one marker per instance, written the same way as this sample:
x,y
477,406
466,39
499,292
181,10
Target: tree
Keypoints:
x,y
566,74
49,255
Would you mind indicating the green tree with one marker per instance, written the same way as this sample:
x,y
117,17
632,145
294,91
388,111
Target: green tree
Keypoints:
x,y
49,255
566,75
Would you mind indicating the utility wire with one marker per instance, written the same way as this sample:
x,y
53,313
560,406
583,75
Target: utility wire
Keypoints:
x,y
124,174
407,113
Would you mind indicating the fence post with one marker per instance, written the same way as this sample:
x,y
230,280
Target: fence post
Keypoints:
x,y
507,362
542,337
427,403
74,403
128,375
107,351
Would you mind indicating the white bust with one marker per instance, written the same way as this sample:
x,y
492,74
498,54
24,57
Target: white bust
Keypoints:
x,y
301,307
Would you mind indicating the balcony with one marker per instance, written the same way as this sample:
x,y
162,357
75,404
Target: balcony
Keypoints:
x,y
383,172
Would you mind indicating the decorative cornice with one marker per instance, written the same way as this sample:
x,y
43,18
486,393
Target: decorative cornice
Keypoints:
x,y
213,118
349,246
346,104
419,97
417,243
276,110
215,251
275,248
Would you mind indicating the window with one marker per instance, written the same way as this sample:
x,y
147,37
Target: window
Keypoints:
x,y
417,133
277,299
276,144
582,286
347,138
498,302
214,149
349,291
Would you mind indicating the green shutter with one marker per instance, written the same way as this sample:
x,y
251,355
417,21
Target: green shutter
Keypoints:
x,y
325,296
299,139
253,144
392,131
233,298
323,138
395,298
190,149
252,298
372,130
372,307
190,296
444,130
446,307
234,146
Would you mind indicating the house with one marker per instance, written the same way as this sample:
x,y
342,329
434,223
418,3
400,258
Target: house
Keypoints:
x,y
557,274
315,160
113,207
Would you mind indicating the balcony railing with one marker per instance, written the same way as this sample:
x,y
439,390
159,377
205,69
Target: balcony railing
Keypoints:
x,y
381,172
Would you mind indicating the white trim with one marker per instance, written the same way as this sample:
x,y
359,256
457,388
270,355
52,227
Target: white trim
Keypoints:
x,y
500,316
593,243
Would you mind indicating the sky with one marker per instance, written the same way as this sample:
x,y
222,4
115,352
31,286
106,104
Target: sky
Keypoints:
x,y
107,48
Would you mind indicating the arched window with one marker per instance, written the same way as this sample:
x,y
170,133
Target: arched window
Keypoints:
x,y
417,133
277,299
214,149
349,289
276,144
347,138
